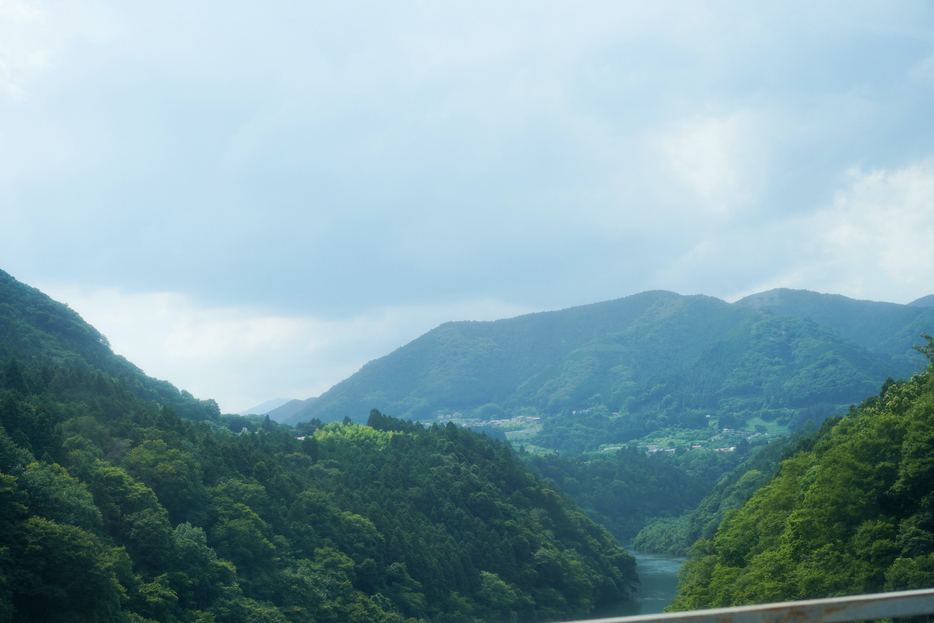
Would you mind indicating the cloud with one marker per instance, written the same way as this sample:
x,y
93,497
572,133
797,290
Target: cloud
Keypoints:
x,y
871,241
299,175
241,356
881,226
721,159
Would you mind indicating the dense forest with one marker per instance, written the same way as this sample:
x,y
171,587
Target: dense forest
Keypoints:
x,y
624,489
850,510
115,508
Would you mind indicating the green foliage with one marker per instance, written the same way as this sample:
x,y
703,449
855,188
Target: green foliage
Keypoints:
x,y
927,350
143,516
56,495
123,499
616,372
623,489
63,573
849,512
675,535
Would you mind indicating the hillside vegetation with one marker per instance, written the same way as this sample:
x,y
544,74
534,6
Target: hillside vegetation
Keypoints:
x,y
850,511
674,534
624,489
34,327
618,371
114,508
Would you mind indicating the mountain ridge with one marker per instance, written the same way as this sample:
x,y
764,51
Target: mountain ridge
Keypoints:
x,y
800,346
33,326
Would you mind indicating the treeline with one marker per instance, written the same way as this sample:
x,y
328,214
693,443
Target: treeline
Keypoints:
x,y
115,509
850,511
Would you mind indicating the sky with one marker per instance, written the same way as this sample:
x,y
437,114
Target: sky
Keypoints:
x,y
253,199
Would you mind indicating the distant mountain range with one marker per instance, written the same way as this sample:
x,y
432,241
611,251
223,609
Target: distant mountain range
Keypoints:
x,y
266,407
648,360
278,409
288,410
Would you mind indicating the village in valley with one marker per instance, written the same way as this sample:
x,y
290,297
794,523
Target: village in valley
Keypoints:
x,y
519,429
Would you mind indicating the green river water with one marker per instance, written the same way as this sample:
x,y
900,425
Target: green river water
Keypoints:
x,y
659,583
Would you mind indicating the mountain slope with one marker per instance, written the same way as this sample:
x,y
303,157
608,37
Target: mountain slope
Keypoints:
x,y
654,359
34,327
674,535
266,407
115,509
462,365
850,512
880,327
285,412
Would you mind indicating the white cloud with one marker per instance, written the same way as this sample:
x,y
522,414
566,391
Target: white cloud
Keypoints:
x,y
242,357
721,159
882,224
314,158
873,240
35,37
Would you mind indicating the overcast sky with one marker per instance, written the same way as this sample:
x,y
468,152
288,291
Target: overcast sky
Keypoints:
x,y
253,199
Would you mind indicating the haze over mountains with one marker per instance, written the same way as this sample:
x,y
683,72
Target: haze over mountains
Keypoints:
x,y
265,407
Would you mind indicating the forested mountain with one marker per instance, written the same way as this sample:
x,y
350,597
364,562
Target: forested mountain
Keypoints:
x,y
851,511
648,361
879,327
113,508
34,327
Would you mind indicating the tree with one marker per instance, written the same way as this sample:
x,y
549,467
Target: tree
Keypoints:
x,y
174,475
926,349
310,447
65,574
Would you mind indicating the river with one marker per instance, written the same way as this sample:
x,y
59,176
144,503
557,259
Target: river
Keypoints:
x,y
659,575
659,583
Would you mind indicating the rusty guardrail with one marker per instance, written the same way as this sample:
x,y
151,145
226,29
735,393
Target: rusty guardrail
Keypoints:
x,y
919,603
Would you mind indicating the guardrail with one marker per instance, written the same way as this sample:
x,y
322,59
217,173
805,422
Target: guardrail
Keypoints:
x,y
919,603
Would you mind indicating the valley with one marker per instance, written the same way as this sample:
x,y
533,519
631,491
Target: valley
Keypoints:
x,y
519,464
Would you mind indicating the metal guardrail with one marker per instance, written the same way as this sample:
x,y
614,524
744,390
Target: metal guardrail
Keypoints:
x,y
919,603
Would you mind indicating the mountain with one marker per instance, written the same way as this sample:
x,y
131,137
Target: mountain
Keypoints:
x,y
33,327
115,509
879,327
284,412
848,512
924,301
266,407
464,365
648,361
